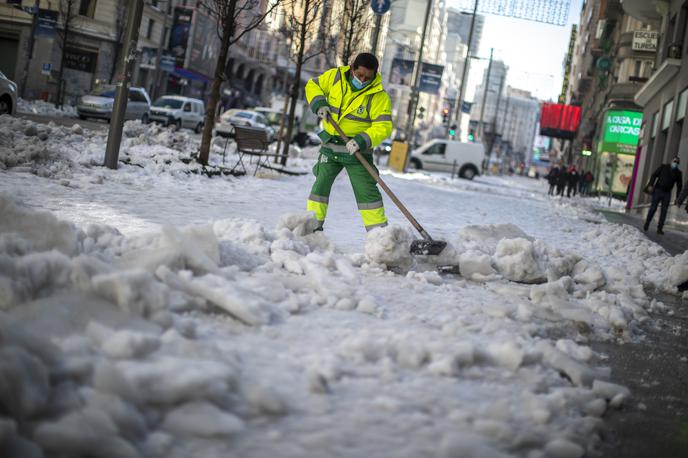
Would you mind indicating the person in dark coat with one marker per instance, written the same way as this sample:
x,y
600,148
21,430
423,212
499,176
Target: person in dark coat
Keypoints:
x,y
552,177
562,181
586,182
572,182
660,185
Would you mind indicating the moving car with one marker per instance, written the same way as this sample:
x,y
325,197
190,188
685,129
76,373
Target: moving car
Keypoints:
x,y
8,95
174,110
98,104
225,126
448,155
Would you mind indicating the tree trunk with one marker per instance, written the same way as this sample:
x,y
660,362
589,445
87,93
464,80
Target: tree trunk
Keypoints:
x,y
211,108
297,81
60,86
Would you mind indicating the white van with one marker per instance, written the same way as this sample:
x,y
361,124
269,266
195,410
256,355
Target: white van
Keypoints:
x,y
174,110
440,155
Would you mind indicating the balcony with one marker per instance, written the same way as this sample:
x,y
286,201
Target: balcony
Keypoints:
x,y
642,10
657,81
624,92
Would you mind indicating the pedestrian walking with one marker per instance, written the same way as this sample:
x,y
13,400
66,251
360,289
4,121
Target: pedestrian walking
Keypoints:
x,y
562,180
586,182
572,182
660,186
552,177
354,97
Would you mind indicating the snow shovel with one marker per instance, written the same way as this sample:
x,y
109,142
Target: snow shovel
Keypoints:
x,y
427,246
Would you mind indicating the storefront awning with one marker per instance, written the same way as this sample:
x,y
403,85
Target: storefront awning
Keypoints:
x,y
190,75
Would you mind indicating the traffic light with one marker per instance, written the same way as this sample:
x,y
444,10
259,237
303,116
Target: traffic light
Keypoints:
x,y
452,130
445,116
471,134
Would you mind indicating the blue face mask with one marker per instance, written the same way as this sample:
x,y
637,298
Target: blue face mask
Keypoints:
x,y
674,165
358,84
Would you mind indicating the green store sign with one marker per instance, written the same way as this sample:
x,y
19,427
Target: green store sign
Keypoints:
x,y
621,131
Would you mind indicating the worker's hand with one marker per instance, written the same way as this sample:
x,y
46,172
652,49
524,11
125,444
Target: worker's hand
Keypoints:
x,y
352,146
323,112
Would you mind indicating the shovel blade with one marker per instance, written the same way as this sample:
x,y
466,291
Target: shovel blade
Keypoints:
x,y
427,247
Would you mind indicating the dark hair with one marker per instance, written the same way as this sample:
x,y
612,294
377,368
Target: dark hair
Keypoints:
x,y
367,60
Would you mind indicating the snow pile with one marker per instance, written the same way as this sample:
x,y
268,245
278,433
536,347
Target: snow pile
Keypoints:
x,y
390,246
41,107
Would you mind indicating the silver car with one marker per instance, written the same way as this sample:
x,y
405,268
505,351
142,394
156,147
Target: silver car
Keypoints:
x,y
8,96
225,125
98,104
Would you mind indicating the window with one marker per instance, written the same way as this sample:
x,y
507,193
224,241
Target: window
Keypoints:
x,y
655,119
87,8
682,102
187,107
638,68
136,96
666,116
436,149
149,30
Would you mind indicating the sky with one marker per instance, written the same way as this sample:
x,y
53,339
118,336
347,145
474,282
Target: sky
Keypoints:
x,y
533,51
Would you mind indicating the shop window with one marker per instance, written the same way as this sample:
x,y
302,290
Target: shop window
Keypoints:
x,y
682,105
149,29
666,116
655,119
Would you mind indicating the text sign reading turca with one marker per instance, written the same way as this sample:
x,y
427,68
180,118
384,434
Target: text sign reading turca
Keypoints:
x,y
645,40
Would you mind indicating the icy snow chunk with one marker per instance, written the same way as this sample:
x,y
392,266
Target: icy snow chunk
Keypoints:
x,y
571,348
678,273
578,373
134,291
610,391
42,229
367,305
264,398
506,354
202,419
87,432
462,445
516,260
390,246
130,344
589,274
299,224
167,380
476,265
289,260
24,383
485,238
562,448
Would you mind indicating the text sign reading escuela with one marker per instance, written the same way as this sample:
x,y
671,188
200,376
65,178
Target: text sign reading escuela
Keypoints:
x,y
645,40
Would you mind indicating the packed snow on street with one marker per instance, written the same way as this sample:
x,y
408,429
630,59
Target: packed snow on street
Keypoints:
x,y
153,311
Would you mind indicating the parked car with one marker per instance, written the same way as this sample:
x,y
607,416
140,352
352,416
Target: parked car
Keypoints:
x,y
8,96
98,104
174,110
274,117
383,148
225,126
448,155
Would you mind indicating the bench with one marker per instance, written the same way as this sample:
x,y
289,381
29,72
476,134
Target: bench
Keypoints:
x,y
253,142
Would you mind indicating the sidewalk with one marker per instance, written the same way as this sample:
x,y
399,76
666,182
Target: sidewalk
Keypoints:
x,y
655,421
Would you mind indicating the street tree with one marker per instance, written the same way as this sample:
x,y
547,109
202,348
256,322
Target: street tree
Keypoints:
x,y
309,38
235,18
68,10
356,21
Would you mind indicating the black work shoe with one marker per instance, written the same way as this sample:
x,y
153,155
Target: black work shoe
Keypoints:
x,y
660,232
318,229
646,226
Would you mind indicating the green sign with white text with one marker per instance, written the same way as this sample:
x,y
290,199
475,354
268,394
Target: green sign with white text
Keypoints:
x,y
621,131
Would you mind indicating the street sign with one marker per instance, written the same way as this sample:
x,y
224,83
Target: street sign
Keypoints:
x,y
46,68
46,24
380,6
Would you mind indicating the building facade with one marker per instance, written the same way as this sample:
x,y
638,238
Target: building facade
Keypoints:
x,y
664,96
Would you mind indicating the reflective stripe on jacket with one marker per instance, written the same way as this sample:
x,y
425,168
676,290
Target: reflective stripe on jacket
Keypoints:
x,y
364,115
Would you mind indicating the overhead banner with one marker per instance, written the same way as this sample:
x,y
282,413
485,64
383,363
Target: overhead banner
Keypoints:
x,y
621,131
46,24
430,75
402,72
180,33
430,78
559,120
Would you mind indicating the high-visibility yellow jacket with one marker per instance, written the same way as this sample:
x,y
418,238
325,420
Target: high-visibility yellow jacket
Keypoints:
x,y
364,115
